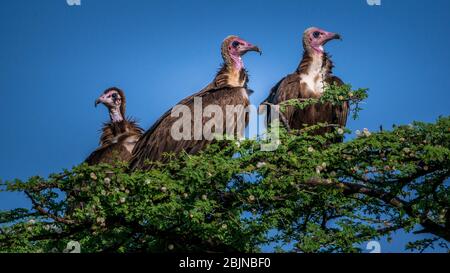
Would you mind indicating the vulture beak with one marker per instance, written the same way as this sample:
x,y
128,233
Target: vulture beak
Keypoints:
x,y
256,49
250,47
332,36
101,99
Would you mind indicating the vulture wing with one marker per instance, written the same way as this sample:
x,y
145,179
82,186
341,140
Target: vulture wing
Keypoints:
x,y
340,111
158,140
109,154
291,87
286,89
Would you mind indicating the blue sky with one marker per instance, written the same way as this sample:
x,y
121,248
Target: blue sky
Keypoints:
x,y
56,59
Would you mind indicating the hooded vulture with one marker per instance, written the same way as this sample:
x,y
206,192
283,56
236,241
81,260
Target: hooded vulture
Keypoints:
x,y
308,81
119,135
229,88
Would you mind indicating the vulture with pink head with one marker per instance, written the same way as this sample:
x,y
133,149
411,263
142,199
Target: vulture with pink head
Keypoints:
x,y
119,135
229,88
313,74
117,141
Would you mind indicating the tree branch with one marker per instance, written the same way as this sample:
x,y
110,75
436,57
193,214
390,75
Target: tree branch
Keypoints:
x,y
43,212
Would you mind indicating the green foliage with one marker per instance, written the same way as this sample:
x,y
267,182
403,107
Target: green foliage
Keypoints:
x,y
336,95
306,196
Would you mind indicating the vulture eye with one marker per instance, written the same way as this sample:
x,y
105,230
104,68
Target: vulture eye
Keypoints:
x,y
114,95
316,34
235,44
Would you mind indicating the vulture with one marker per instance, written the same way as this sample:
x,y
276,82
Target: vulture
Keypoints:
x,y
117,141
229,88
119,135
308,81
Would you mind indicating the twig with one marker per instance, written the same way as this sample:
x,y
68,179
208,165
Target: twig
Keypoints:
x,y
283,118
41,210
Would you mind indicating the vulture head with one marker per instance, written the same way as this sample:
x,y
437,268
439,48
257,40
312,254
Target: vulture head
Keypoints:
x,y
233,48
315,38
114,99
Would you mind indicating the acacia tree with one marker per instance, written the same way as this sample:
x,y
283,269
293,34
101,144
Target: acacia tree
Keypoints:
x,y
309,195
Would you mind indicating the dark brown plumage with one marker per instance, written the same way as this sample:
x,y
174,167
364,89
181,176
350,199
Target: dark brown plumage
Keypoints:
x,y
228,88
119,135
308,81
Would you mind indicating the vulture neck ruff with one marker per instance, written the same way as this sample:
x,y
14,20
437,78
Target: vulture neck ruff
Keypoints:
x,y
229,76
113,132
236,77
314,69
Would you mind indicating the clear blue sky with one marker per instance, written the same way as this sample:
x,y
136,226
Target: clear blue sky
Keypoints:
x,y
56,59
